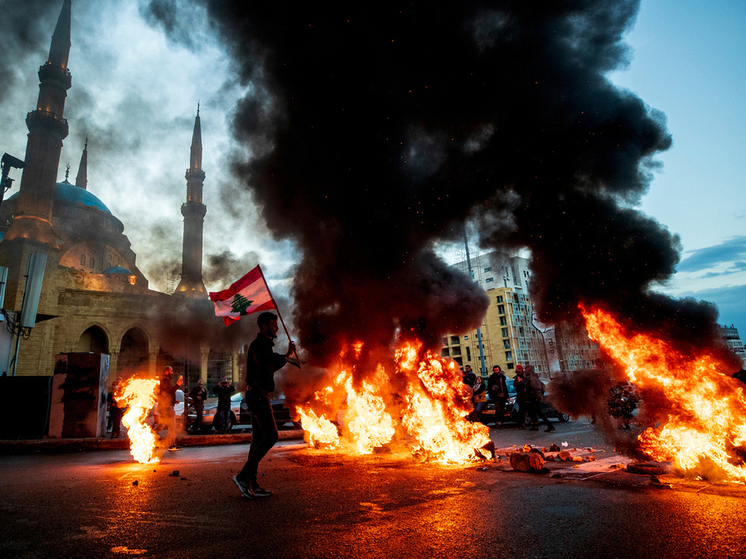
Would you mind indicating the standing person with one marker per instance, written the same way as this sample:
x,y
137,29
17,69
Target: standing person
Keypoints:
x,y
198,395
480,397
469,377
261,364
497,392
115,412
598,368
166,403
520,383
534,395
223,391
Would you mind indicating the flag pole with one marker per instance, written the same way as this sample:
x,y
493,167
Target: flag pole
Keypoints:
x,y
277,308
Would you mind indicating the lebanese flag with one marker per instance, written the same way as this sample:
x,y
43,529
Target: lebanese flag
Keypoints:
x,y
248,295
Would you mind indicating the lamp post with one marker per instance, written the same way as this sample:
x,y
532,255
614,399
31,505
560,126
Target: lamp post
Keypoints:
x,y
6,182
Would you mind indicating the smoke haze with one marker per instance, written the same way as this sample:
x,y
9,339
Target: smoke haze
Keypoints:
x,y
377,130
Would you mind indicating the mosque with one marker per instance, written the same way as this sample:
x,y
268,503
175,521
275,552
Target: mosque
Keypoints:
x,y
93,296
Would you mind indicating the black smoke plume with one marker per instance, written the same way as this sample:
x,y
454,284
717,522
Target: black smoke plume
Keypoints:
x,y
379,128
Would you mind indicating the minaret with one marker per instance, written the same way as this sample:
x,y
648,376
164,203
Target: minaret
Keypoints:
x,y
82,179
191,284
47,128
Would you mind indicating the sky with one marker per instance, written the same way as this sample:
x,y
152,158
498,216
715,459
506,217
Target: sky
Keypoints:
x,y
136,85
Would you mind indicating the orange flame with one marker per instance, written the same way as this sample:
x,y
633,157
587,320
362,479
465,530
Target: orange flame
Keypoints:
x,y
706,418
139,396
433,408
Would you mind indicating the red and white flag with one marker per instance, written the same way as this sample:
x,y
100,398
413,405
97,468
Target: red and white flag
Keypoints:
x,y
248,295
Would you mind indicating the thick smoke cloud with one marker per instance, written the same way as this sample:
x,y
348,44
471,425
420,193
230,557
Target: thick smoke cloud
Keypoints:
x,y
378,129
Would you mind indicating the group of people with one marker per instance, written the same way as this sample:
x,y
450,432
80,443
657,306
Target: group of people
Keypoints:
x,y
529,394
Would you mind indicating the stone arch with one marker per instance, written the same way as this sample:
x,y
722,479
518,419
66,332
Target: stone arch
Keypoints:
x,y
93,340
134,356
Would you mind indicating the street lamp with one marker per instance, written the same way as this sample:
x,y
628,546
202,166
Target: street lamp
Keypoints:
x,y
6,182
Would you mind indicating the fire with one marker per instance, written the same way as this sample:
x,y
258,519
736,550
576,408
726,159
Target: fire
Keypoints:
x,y
431,408
139,397
706,411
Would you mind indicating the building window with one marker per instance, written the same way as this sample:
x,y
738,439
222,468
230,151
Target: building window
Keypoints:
x,y
454,340
503,321
499,298
93,262
505,332
489,280
501,309
510,365
444,352
488,269
100,263
468,353
508,356
466,337
82,259
506,344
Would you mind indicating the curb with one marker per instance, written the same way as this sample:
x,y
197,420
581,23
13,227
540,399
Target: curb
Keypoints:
x,y
62,446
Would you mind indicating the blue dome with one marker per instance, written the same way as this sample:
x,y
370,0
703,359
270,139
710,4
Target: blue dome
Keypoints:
x,y
117,270
66,192
71,194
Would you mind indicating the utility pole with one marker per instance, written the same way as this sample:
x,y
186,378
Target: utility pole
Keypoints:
x,y
483,364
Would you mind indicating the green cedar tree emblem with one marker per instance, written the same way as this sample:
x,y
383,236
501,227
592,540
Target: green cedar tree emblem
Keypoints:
x,y
240,304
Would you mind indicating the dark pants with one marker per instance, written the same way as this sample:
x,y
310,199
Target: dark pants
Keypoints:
x,y
199,411
115,414
522,408
222,419
263,430
500,403
534,412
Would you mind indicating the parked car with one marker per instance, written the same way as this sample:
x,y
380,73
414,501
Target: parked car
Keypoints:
x,y
178,409
510,413
240,414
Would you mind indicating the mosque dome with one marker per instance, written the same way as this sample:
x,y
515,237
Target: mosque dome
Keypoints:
x,y
117,270
67,193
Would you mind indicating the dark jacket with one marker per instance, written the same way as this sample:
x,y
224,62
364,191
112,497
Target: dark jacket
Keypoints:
x,y
261,364
497,386
167,391
198,396
224,395
521,385
470,378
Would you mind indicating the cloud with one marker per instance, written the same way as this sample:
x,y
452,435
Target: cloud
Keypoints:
x,y
728,252
730,301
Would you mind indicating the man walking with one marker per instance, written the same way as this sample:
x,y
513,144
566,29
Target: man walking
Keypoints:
x,y
261,364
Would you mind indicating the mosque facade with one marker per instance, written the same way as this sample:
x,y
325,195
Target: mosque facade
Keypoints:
x,y
94,298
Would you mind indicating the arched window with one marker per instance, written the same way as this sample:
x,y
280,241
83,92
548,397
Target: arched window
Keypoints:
x,y
93,340
93,262
82,259
133,355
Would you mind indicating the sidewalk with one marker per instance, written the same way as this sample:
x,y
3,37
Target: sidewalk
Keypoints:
x,y
58,446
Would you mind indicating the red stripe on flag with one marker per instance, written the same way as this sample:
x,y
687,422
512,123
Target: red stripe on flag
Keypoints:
x,y
245,281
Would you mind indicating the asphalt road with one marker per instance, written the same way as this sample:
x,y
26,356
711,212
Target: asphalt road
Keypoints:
x,y
388,506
